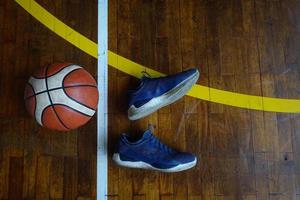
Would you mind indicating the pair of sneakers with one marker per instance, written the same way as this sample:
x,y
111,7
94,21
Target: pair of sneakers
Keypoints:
x,y
148,152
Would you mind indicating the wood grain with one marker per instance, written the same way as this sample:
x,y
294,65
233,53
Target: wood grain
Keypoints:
x,y
36,163
246,46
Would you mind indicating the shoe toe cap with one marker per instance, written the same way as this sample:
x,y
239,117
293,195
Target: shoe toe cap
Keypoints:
x,y
190,72
185,157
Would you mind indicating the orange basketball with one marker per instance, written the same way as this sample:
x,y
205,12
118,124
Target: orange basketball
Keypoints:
x,y
61,96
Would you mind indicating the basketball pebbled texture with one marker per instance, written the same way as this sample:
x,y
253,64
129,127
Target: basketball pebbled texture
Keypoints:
x,y
61,96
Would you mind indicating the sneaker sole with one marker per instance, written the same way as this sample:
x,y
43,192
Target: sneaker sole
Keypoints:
x,y
143,165
165,99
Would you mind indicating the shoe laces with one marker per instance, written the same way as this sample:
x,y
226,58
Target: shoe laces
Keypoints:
x,y
161,145
157,142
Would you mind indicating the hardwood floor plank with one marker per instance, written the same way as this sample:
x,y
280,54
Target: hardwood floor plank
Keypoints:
x,y
124,32
84,187
70,178
180,187
139,197
113,169
245,46
192,135
166,197
56,178
29,174
125,184
43,177
166,135
15,178
26,46
4,174
239,47
262,185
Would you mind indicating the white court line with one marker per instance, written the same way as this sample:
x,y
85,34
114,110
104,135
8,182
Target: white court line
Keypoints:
x,y
102,106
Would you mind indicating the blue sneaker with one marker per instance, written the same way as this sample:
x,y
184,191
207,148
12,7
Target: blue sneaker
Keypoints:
x,y
149,153
154,93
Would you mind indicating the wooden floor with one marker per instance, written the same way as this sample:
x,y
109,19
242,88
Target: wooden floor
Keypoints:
x,y
246,46
36,163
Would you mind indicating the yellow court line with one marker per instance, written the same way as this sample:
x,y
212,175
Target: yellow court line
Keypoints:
x,y
135,69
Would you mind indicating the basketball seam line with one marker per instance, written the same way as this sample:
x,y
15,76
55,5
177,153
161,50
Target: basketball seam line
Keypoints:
x,y
77,101
46,76
63,81
32,89
66,76
57,88
59,104
35,101
42,120
51,103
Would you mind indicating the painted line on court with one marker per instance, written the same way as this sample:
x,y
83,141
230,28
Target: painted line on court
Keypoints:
x,y
127,66
102,165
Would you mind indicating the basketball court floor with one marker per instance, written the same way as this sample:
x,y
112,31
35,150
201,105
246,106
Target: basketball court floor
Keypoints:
x,y
241,119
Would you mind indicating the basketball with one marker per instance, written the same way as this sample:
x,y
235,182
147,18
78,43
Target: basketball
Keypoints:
x,y
61,96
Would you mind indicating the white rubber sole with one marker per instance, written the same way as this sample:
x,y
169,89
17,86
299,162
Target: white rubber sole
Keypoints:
x,y
143,165
167,98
